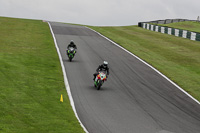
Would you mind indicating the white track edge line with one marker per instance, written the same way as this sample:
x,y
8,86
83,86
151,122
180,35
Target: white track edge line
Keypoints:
x,y
66,80
148,65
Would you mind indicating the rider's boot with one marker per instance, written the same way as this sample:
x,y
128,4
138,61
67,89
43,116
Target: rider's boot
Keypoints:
x,y
94,76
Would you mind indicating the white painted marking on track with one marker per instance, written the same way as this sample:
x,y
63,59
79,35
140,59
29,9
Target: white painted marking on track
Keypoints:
x,y
66,80
147,65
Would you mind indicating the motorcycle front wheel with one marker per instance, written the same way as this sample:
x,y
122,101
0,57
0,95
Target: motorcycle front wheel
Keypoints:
x,y
70,59
98,87
99,84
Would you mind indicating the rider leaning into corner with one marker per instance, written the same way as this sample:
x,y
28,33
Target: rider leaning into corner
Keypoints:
x,y
102,67
72,44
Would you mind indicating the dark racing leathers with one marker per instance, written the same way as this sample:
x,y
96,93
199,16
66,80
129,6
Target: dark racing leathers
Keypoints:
x,y
71,45
101,68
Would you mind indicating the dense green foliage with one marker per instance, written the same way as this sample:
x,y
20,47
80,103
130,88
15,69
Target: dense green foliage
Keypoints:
x,y
31,81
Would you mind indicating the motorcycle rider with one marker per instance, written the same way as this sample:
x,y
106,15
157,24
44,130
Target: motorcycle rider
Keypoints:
x,y
102,67
72,44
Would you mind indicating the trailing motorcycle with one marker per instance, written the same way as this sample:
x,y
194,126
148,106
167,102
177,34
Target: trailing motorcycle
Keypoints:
x,y
71,53
99,80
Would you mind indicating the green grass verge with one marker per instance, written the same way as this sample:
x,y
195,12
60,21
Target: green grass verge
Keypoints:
x,y
186,25
31,81
177,58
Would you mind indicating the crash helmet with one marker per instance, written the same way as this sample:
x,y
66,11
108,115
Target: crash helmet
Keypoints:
x,y
71,42
105,63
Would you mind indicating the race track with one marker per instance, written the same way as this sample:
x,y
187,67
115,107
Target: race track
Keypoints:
x,y
135,98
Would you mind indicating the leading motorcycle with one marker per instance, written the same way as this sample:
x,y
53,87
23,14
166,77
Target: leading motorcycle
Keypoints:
x,y
99,80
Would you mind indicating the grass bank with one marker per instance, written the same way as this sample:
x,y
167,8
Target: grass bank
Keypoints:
x,y
186,25
177,58
31,81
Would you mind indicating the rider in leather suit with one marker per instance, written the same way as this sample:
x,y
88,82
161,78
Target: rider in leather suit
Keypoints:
x,y
102,67
72,44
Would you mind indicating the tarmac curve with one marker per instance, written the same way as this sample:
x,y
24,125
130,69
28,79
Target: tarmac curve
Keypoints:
x,y
135,98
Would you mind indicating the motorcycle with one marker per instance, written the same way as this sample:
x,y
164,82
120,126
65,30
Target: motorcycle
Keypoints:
x,y
71,53
99,80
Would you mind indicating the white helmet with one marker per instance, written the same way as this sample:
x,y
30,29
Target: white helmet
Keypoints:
x,y
105,63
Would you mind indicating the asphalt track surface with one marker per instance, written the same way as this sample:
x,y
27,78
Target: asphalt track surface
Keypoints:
x,y
135,98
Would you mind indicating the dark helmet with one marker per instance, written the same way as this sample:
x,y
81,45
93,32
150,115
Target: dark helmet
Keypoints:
x,y
71,42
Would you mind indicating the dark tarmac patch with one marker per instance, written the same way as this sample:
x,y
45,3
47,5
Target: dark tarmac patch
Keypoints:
x,y
73,31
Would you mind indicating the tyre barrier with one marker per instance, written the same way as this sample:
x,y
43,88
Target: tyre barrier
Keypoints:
x,y
171,31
